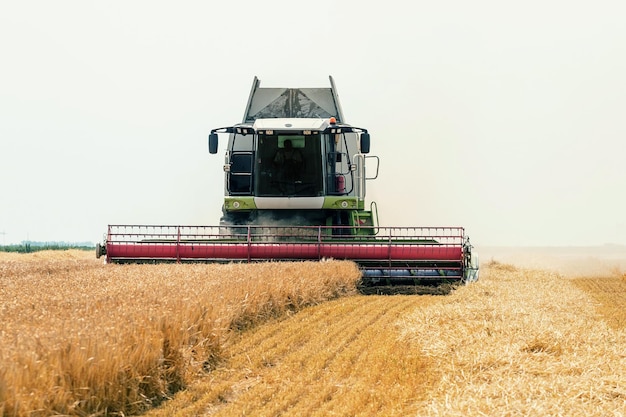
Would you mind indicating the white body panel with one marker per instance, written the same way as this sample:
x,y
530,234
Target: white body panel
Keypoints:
x,y
289,202
290,124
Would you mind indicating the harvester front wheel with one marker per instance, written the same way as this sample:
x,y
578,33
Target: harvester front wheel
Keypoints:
x,y
100,250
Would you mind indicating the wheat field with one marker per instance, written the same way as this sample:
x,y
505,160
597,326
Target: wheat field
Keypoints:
x,y
82,338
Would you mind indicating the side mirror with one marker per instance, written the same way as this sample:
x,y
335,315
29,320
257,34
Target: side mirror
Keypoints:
x,y
213,142
365,143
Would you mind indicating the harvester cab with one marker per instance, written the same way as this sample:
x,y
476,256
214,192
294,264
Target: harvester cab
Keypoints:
x,y
293,161
294,189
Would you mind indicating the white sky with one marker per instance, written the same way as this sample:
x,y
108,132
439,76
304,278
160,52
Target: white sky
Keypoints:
x,y
507,118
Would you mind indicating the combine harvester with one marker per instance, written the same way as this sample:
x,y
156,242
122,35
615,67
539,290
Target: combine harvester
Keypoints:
x,y
295,183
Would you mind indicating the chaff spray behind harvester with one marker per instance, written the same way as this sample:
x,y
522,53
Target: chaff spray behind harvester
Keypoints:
x,y
295,185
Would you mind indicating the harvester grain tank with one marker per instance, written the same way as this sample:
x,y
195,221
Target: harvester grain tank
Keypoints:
x,y
294,189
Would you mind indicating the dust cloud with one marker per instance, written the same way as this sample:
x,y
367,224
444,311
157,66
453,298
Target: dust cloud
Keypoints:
x,y
574,262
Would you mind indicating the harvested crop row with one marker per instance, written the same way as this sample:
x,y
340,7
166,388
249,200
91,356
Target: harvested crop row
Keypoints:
x,y
518,342
342,357
610,294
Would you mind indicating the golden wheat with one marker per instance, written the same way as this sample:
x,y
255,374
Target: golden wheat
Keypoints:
x,y
342,357
84,338
520,342
610,295
79,337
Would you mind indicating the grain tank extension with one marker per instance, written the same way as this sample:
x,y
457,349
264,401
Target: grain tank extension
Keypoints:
x,y
294,189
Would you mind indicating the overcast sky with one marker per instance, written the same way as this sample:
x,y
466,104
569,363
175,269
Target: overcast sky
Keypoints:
x,y
506,118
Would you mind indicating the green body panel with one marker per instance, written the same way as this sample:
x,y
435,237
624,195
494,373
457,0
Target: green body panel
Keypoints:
x,y
243,203
246,203
342,203
359,222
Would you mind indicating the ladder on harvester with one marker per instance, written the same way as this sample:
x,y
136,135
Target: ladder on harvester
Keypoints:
x,y
365,222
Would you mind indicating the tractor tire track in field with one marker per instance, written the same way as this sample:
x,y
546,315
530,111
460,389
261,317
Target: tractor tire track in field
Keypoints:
x,y
330,359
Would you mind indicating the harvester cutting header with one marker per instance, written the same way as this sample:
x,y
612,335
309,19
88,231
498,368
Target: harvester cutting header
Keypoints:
x,y
294,187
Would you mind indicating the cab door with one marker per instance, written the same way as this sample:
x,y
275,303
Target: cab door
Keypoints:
x,y
240,174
